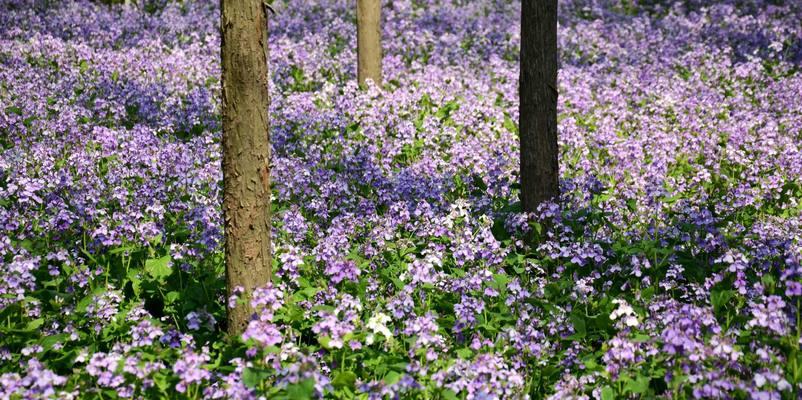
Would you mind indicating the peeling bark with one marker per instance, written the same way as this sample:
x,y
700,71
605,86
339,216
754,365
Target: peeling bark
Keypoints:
x,y
246,152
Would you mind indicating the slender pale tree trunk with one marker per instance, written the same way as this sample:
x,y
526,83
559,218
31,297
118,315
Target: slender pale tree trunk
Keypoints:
x,y
246,152
538,96
368,41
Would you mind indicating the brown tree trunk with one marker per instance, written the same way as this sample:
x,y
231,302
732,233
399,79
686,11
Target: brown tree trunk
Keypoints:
x,y
246,152
368,41
538,102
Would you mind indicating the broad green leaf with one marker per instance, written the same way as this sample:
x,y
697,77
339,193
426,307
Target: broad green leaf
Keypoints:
x,y
579,327
49,341
509,124
448,394
136,281
392,377
172,297
35,324
252,377
607,393
159,268
639,385
501,280
465,353
344,379
719,298
302,390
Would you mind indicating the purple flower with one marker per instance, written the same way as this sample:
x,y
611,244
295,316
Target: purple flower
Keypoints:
x,y
770,315
190,368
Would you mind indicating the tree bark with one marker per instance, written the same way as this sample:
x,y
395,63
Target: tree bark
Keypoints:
x,y
246,153
368,41
538,102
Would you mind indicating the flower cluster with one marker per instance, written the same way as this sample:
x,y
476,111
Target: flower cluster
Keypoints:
x,y
669,266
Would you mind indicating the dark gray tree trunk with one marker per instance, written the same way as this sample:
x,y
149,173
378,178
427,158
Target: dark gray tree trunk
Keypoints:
x,y
368,41
246,152
538,107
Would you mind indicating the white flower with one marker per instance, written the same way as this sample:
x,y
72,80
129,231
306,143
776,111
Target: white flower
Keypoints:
x,y
378,324
83,355
623,309
625,312
760,380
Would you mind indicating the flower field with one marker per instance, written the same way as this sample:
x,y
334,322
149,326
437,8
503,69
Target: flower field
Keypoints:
x,y
403,266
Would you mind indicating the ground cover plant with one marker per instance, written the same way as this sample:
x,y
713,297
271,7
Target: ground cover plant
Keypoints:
x,y
668,268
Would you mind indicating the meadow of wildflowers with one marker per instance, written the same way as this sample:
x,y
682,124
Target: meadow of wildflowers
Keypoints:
x,y
669,267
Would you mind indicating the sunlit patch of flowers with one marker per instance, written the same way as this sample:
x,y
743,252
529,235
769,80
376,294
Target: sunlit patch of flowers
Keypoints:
x,y
403,267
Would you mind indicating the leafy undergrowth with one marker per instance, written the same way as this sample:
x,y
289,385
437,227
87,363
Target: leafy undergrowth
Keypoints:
x,y
668,268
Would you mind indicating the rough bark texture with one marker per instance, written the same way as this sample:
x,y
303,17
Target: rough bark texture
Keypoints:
x,y
538,95
246,174
368,41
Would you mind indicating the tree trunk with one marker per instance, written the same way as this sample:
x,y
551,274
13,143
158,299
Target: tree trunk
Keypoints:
x,y
246,153
538,102
368,41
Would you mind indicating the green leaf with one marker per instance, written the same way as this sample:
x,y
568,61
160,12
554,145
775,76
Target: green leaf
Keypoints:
x,y
136,282
49,341
501,280
448,394
607,393
252,377
309,292
509,124
159,268
579,327
647,293
35,324
465,353
590,363
172,297
392,377
639,385
162,383
324,341
632,205
302,390
768,281
14,110
122,249
344,379
84,302
719,298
